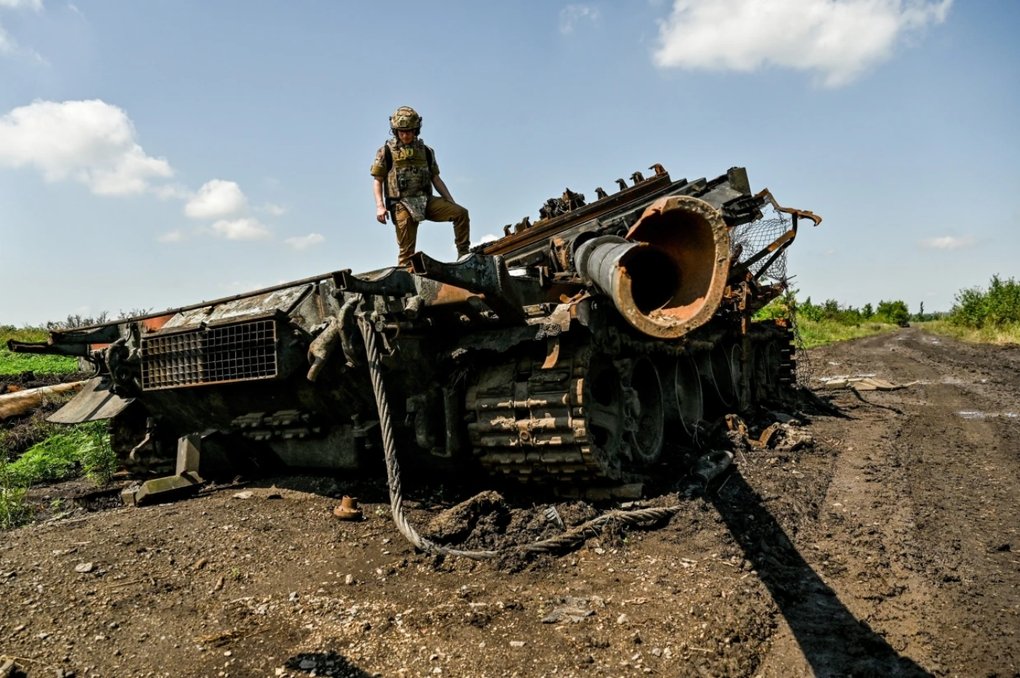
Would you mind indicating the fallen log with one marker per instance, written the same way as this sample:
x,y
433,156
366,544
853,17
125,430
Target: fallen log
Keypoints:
x,y
22,402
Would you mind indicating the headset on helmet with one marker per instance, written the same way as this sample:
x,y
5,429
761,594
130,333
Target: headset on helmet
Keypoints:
x,y
405,117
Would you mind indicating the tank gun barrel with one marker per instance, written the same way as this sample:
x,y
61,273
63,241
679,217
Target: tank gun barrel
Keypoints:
x,y
668,275
76,342
480,273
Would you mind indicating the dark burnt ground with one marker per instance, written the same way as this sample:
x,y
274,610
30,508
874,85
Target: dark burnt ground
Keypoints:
x,y
889,546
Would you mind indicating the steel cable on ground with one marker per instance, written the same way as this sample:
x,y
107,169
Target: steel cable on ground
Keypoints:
x,y
389,449
571,538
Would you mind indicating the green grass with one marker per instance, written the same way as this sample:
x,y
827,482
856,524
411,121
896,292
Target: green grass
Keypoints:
x,y
82,449
53,452
815,333
13,510
1006,334
16,363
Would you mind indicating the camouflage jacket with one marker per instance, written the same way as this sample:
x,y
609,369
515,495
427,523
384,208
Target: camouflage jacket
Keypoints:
x,y
407,169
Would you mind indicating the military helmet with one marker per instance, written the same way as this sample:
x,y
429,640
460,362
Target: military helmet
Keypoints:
x,y
405,117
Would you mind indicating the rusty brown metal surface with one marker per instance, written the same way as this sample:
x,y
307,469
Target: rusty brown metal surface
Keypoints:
x,y
545,229
695,237
210,355
766,194
348,509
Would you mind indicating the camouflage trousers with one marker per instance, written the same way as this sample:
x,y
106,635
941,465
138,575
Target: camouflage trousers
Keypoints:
x,y
438,209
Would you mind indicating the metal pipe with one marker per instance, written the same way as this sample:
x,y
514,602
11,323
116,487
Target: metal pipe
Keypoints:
x,y
668,275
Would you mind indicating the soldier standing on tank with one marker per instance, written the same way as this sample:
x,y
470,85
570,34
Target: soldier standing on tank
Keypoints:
x,y
404,174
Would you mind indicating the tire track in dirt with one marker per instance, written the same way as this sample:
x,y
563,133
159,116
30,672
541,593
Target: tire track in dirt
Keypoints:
x,y
923,501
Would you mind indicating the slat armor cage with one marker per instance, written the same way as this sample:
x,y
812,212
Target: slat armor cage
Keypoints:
x,y
210,355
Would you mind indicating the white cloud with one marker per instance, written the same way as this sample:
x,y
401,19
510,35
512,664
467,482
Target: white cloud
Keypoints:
x,y
241,229
489,237
7,44
168,191
837,39
92,142
274,209
305,241
171,236
217,198
948,242
22,4
571,15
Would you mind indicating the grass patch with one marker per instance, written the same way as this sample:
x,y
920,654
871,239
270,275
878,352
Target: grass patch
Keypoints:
x,y
13,511
16,363
1001,335
814,333
75,450
82,449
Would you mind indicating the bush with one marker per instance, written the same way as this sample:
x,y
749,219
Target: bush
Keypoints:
x,y
998,307
893,312
830,321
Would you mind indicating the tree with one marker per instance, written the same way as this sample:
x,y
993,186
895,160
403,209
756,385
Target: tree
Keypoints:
x,y
894,312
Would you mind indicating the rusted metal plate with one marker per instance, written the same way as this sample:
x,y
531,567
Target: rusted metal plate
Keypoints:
x,y
282,300
93,402
210,355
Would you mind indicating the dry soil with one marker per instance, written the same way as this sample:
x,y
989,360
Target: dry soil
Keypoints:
x,y
885,544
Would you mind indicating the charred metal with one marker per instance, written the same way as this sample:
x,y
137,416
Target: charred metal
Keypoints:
x,y
564,353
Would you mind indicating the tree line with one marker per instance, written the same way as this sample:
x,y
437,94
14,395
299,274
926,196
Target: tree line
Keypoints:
x,y
996,307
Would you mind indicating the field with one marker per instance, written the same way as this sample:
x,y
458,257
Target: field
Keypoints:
x,y
14,364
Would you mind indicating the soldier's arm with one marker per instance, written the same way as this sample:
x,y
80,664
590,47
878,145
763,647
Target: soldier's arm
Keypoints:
x,y
441,188
380,204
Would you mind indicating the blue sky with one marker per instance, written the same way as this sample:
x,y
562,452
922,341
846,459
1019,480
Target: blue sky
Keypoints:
x,y
159,153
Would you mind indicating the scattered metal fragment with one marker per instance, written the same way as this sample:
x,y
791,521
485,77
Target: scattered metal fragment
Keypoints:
x,y
7,668
711,465
863,384
348,509
553,516
572,610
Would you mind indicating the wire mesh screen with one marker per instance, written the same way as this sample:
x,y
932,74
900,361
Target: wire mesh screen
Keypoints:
x,y
213,355
752,238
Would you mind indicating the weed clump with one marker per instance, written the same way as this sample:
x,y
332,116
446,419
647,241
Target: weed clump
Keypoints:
x,y
83,449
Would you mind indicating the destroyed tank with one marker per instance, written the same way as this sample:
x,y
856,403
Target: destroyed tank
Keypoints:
x,y
563,354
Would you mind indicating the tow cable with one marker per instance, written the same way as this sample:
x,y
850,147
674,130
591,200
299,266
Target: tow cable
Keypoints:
x,y
569,539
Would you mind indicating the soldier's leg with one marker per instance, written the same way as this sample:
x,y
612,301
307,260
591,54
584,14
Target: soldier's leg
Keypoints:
x,y
407,235
441,209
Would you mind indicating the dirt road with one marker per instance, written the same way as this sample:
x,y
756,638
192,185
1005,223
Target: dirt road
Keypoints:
x,y
889,546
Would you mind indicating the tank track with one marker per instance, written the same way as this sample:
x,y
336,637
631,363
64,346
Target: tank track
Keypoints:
x,y
531,425
558,427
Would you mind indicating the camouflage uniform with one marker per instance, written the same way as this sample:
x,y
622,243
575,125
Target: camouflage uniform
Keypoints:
x,y
407,173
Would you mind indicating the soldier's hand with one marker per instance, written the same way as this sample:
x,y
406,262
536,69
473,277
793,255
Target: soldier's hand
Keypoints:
x,y
381,215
